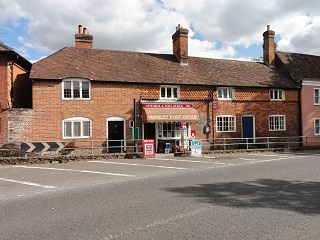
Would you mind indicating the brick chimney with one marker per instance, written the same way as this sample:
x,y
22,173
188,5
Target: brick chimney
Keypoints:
x,y
180,44
269,47
82,38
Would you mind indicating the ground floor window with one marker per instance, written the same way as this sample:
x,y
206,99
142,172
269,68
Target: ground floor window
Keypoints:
x,y
76,127
277,123
317,126
169,130
226,123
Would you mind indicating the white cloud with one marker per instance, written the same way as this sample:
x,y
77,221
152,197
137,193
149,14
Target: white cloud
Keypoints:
x,y
147,25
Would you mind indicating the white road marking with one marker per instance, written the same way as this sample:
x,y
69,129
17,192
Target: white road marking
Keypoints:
x,y
249,159
176,160
26,183
140,165
267,155
81,171
159,222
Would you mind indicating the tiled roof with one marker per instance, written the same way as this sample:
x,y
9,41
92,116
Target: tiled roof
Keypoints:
x,y
4,47
132,67
300,66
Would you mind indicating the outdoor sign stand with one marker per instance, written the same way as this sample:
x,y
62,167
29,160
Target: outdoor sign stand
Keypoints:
x,y
196,148
148,148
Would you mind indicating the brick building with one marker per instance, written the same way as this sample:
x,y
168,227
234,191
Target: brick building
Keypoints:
x,y
15,89
85,93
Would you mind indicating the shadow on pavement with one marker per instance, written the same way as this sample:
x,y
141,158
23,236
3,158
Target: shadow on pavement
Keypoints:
x,y
297,196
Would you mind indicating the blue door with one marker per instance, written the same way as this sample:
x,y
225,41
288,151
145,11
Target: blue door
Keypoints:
x,y
247,128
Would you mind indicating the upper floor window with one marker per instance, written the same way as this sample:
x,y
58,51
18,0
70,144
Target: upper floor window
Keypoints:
x,y
317,126
277,123
316,96
76,89
225,93
77,127
169,92
276,94
226,123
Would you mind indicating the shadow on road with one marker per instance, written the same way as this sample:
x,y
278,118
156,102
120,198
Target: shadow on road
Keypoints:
x,y
297,196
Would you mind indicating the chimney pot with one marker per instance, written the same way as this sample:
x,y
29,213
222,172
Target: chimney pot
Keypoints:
x,y
83,39
80,29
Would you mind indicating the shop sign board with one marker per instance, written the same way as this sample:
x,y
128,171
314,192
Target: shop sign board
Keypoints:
x,y
196,148
148,148
173,105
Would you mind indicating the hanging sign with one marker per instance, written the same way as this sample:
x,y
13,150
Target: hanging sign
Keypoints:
x,y
215,105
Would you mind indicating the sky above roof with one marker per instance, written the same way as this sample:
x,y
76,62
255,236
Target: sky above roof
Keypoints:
x,y
227,29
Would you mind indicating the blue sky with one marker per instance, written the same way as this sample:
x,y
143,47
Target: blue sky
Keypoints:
x,y
228,29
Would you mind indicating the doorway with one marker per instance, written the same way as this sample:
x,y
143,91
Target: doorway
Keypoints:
x,y
116,134
149,131
248,128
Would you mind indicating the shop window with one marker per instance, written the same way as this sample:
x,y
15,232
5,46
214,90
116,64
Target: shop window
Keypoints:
x,y
169,92
226,93
226,123
316,96
317,126
169,130
76,128
277,123
76,89
276,95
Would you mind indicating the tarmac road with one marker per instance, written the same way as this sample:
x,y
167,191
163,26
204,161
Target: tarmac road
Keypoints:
x,y
229,196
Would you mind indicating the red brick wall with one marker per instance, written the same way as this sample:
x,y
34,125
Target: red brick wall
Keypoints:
x,y
22,88
261,111
3,81
109,100
3,126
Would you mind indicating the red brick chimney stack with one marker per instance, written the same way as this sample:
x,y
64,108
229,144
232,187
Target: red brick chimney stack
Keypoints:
x,y
180,44
269,47
83,39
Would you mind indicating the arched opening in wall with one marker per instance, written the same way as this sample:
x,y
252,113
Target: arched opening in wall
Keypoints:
x,y
116,135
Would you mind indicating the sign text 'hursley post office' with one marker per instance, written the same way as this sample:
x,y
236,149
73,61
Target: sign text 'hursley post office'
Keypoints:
x,y
173,117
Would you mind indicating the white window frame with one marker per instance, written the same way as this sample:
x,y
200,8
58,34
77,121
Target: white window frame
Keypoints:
x,y
317,126
225,93
316,96
73,82
224,125
73,121
174,133
166,91
276,124
275,95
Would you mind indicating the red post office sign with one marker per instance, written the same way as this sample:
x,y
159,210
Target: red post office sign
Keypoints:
x,y
148,148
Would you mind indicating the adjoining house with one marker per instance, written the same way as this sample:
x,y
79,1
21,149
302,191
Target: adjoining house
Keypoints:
x,y
305,70
82,93
15,89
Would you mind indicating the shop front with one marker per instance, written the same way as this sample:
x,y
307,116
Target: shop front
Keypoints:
x,y
169,124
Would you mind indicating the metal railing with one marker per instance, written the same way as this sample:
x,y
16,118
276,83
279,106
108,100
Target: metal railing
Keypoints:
x,y
224,144
97,147
261,143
